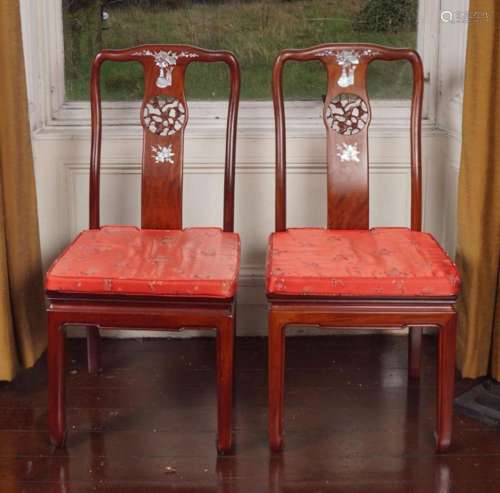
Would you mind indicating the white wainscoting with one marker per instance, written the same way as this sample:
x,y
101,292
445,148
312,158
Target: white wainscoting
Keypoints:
x,y
62,171
452,154
453,43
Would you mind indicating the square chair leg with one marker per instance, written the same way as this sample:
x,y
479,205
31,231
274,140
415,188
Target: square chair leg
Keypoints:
x,y
276,375
446,382
56,355
415,352
225,357
93,350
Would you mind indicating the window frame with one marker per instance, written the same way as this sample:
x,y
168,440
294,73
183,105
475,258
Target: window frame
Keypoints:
x,y
49,111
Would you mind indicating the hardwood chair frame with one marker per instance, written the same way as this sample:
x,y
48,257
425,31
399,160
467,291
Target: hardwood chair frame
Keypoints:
x,y
161,208
348,209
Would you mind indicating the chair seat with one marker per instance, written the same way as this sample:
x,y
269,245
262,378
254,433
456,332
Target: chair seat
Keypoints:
x,y
381,262
195,262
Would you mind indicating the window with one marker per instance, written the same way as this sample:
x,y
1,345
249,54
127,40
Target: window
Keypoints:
x,y
254,30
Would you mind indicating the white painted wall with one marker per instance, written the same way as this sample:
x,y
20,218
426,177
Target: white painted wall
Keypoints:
x,y
61,150
453,44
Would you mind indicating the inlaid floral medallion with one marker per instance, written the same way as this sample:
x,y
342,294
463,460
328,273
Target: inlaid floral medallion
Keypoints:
x,y
347,114
163,115
348,152
163,154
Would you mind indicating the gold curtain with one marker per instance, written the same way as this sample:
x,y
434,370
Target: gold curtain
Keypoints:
x,y
22,319
478,254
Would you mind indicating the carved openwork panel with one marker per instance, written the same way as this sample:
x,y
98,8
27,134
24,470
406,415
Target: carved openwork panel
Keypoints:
x,y
347,114
163,115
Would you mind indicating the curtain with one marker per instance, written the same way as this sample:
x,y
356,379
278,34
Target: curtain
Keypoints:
x,y
22,318
478,253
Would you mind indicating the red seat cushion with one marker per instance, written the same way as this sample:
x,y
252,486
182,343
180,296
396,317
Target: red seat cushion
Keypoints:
x,y
201,262
381,262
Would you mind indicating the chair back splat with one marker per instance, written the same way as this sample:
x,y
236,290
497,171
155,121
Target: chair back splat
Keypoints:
x,y
164,116
347,115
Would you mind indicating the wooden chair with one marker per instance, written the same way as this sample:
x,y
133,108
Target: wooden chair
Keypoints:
x,y
158,276
348,275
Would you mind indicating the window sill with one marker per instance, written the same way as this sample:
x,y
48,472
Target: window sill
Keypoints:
x,y
256,118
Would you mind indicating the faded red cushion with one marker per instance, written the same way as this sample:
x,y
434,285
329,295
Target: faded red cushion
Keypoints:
x,y
201,262
380,262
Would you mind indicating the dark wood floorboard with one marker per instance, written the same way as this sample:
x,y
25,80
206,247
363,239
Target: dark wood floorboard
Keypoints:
x,y
147,424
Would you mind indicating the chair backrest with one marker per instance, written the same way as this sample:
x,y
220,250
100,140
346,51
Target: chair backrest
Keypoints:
x,y
347,116
164,115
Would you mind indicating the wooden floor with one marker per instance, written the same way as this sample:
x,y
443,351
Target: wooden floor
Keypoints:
x,y
147,424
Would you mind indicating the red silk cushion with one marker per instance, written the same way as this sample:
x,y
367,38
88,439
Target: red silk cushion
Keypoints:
x,y
201,262
380,262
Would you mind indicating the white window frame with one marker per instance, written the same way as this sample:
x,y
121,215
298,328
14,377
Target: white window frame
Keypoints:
x,y
49,112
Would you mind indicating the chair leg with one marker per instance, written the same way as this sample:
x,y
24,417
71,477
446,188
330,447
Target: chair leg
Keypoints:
x,y
56,364
225,357
415,352
93,350
446,383
276,375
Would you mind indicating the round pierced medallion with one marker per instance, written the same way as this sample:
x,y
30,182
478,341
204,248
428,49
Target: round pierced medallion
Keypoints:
x,y
163,115
347,114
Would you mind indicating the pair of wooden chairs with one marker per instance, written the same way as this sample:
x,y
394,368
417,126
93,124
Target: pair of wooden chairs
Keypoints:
x,y
163,277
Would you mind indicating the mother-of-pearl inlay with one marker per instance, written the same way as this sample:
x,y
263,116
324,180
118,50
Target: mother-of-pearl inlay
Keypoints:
x,y
348,60
163,115
165,61
348,152
163,154
347,114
